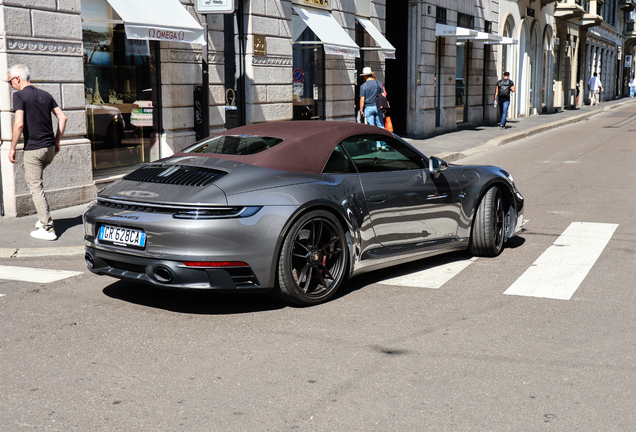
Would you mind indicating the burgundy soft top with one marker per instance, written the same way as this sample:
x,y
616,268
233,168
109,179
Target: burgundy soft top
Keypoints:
x,y
306,145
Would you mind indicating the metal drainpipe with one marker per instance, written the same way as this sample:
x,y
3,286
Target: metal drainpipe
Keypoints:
x,y
241,81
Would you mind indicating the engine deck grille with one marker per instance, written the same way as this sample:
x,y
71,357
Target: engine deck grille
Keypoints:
x,y
175,174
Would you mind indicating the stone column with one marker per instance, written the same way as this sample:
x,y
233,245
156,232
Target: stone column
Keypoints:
x,y
46,36
340,71
269,74
181,70
588,70
604,73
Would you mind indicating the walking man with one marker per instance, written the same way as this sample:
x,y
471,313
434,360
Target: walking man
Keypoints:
x,y
595,87
504,87
368,92
33,108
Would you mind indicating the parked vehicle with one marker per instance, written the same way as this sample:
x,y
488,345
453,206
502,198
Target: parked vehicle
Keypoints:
x,y
294,207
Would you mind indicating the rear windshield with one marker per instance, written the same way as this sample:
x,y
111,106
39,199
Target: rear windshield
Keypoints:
x,y
234,145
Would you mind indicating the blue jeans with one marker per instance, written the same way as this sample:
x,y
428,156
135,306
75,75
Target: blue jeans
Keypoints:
x,y
504,104
372,116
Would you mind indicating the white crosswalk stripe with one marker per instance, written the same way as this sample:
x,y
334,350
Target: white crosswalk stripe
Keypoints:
x,y
26,274
432,277
556,274
559,271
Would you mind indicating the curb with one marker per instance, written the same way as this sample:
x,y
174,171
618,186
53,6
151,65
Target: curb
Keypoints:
x,y
496,142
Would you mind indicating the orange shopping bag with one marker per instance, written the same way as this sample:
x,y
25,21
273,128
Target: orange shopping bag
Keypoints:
x,y
388,125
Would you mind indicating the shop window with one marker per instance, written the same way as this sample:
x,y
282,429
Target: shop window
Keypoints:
x,y
465,21
120,84
308,73
440,15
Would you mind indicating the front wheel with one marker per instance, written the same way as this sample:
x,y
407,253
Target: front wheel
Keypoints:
x,y
312,261
489,227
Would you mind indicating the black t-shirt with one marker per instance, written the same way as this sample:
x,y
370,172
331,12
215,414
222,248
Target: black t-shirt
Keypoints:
x,y
504,88
38,126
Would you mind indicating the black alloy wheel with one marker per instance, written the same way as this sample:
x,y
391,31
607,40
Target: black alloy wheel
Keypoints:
x,y
489,226
313,259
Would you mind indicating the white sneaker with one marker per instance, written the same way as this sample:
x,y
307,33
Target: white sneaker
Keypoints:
x,y
38,224
43,234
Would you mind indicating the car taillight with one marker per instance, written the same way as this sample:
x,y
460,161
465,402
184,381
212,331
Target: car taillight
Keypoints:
x,y
215,264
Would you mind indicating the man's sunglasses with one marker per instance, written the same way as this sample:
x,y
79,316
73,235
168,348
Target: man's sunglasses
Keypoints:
x,y
9,82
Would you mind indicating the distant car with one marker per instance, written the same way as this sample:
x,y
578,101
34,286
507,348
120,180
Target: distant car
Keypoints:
x,y
141,114
294,207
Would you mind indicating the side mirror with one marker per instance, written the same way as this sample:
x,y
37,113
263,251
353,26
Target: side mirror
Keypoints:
x,y
436,166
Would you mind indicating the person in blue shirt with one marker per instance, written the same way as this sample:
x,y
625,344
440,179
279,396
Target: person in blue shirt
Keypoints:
x,y
368,92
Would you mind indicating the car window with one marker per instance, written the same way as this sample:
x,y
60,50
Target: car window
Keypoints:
x,y
234,145
380,153
339,163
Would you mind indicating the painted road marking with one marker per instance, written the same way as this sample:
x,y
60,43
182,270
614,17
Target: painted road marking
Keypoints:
x,y
26,274
559,271
432,277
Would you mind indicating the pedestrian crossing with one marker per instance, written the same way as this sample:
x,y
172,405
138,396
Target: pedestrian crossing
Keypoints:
x,y
27,274
556,274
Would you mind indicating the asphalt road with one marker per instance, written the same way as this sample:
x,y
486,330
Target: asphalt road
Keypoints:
x,y
89,353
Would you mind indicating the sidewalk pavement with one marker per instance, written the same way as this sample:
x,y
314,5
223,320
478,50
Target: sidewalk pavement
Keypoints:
x,y
15,241
459,144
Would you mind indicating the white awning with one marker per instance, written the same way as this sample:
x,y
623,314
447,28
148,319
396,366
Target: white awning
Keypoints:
x,y
451,31
162,20
334,38
378,37
482,37
504,41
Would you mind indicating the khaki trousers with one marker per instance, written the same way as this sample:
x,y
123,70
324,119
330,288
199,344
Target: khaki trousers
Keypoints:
x,y
595,96
34,163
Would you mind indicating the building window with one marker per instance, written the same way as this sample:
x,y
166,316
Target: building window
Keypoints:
x,y
465,21
488,26
308,74
120,82
440,15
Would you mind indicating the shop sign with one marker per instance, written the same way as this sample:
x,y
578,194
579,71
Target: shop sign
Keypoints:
x,y
260,45
320,4
165,35
216,6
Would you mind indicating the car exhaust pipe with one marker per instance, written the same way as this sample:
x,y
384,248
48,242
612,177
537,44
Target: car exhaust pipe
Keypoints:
x,y
90,262
163,274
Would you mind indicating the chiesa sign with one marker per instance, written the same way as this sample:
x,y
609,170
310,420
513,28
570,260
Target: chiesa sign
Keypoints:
x,y
321,4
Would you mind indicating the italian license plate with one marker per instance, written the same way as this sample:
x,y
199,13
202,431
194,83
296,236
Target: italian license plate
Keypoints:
x,y
125,237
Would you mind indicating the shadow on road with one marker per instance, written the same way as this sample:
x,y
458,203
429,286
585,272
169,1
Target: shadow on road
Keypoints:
x,y
192,302
62,225
215,303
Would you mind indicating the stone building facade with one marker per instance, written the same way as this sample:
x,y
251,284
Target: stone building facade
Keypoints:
x,y
451,70
132,100
531,61
46,35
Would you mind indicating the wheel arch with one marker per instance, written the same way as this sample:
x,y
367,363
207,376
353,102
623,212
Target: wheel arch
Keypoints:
x,y
509,200
346,225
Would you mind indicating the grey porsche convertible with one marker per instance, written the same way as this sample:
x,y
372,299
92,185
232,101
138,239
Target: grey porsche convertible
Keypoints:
x,y
294,208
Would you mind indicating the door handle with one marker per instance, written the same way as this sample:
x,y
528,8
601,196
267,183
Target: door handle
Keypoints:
x,y
377,199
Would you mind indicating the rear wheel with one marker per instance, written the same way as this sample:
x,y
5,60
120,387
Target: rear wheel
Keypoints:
x,y
487,237
313,259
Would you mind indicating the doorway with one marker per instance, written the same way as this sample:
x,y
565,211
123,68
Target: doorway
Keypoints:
x,y
396,81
